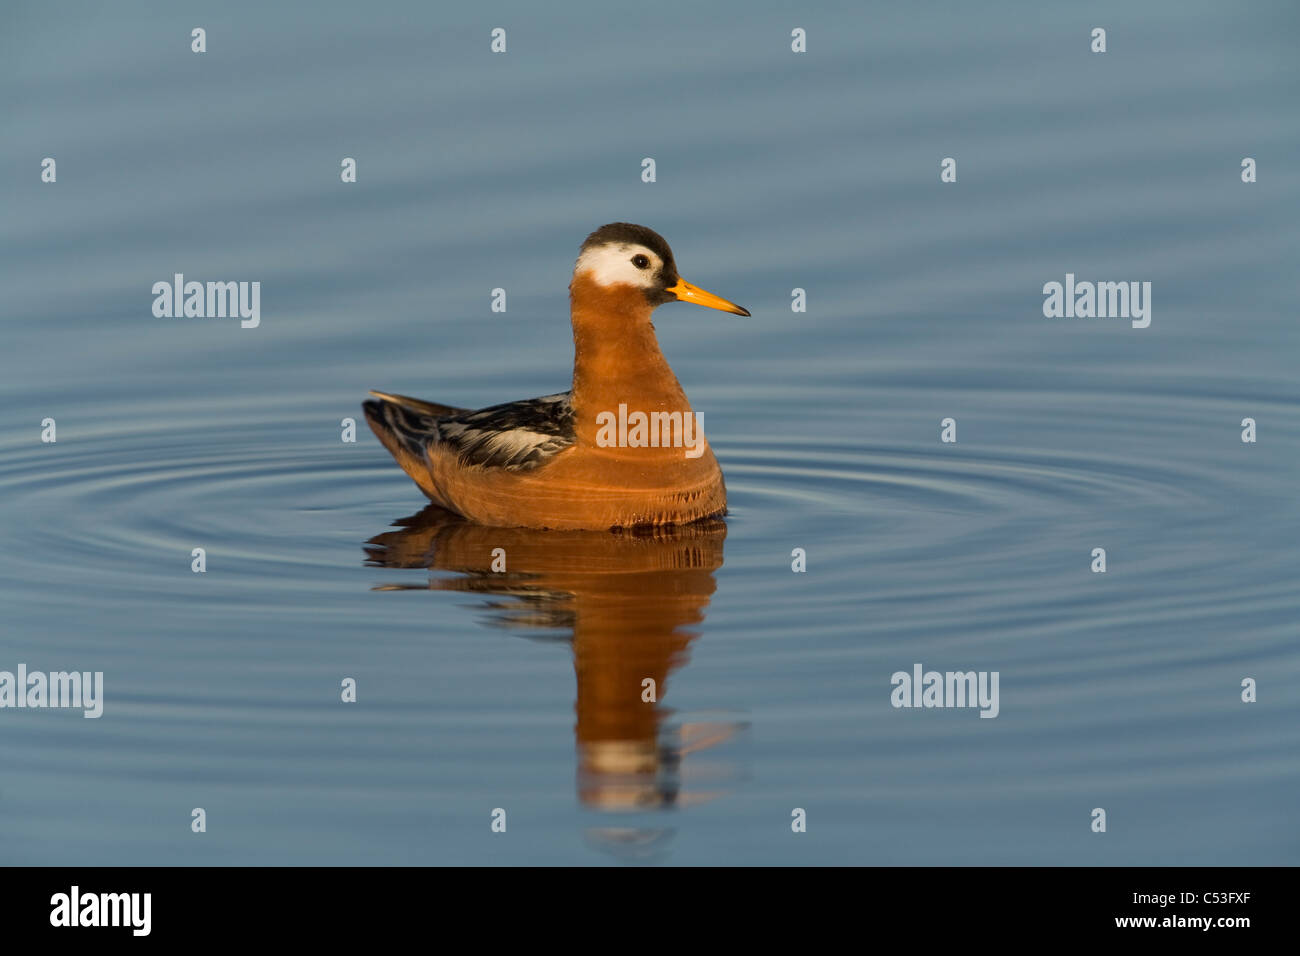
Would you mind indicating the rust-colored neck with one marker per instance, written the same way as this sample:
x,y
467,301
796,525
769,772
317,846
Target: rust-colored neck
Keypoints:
x,y
616,357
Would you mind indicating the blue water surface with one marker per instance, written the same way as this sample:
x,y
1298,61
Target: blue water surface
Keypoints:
x,y
775,170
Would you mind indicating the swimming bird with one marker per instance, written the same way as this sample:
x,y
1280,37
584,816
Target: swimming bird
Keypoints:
x,y
620,449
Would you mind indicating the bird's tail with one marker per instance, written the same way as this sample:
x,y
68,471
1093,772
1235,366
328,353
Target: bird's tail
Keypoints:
x,y
406,426
432,409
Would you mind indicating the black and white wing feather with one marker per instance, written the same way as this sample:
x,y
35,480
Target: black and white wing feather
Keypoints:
x,y
517,436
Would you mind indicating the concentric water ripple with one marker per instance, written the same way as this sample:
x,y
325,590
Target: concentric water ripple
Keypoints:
x,y
964,555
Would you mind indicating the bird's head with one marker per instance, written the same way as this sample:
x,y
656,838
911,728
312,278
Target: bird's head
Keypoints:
x,y
623,257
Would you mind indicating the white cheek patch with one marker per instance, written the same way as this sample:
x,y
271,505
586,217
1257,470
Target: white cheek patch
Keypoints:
x,y
612,265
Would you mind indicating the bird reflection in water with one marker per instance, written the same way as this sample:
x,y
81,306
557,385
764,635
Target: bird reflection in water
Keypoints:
x,y
628,602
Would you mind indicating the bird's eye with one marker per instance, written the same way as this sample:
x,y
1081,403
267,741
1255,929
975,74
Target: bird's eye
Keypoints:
x,y
641,262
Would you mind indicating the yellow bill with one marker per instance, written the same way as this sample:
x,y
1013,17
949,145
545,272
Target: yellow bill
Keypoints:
x,y
686,292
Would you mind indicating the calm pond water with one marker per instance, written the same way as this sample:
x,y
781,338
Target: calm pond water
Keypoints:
x,y
775,171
